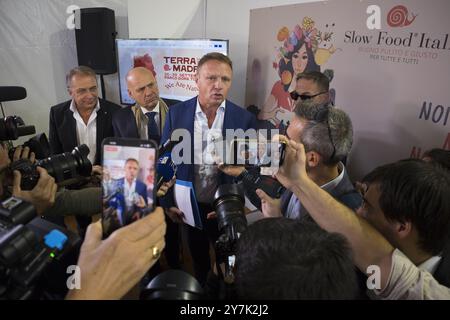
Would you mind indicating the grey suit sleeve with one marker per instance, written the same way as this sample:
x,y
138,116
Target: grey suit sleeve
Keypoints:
x,y
84,202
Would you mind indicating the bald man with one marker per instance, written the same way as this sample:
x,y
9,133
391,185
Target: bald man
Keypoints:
x,y
146,118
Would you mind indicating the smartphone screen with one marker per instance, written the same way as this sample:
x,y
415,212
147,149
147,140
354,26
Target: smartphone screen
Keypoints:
x,y
128,181
254,152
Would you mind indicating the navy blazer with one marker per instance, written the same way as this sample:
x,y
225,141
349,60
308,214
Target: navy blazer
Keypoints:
x,y
63,127
182,115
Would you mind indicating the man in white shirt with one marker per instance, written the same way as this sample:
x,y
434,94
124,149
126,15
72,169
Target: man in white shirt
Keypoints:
x,y
85,119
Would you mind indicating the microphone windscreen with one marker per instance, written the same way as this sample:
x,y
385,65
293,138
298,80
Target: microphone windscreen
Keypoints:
x,y
165,167
10,93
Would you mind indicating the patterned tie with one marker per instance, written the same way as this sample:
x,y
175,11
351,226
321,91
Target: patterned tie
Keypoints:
x,y
152,127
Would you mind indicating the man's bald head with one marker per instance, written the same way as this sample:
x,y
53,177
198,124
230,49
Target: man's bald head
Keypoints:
x,y
142,87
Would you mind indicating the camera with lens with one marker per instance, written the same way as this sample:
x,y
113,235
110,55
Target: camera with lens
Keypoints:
x,y
65,168
13,127
29,248
229,203
38,144
173,285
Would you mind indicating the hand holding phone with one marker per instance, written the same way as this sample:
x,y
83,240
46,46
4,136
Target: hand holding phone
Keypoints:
x,y
254,153
128,181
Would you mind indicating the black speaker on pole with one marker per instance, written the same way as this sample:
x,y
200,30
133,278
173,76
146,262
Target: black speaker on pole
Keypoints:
x,y
95,35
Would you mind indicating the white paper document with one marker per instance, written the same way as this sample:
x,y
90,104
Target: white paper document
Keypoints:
x,y
186,202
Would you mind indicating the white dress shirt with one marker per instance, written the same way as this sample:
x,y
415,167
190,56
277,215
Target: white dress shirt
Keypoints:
x,y
86,133
207,146
129,192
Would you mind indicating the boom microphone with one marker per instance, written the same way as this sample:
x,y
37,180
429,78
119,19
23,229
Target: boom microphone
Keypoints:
x,y
10,93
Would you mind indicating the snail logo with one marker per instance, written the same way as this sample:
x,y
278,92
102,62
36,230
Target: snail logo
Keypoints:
x,y
398,17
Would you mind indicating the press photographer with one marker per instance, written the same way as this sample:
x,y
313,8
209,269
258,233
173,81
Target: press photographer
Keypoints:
x,y
327,134
37,186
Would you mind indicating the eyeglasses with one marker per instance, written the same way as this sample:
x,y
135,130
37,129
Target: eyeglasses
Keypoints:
x,y
294,95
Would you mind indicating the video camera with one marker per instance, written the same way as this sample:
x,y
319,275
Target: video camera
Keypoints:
x,y
13,127
229,203
29,246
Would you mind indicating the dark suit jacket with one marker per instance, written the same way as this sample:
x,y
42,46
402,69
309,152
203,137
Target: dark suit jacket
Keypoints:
x,y
124,121
62,131
182,115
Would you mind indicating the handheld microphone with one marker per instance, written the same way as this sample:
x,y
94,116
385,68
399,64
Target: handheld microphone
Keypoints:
x,y
167,146
10,93
165,168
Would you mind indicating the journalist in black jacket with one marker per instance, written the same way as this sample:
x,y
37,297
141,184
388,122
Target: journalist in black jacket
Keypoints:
x,y
63,127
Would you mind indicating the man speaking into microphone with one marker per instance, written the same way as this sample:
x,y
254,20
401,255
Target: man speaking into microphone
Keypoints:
x,y
204,116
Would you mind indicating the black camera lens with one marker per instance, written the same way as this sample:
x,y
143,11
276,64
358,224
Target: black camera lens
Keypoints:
x,y
67,165
229,206
173,285
63,167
